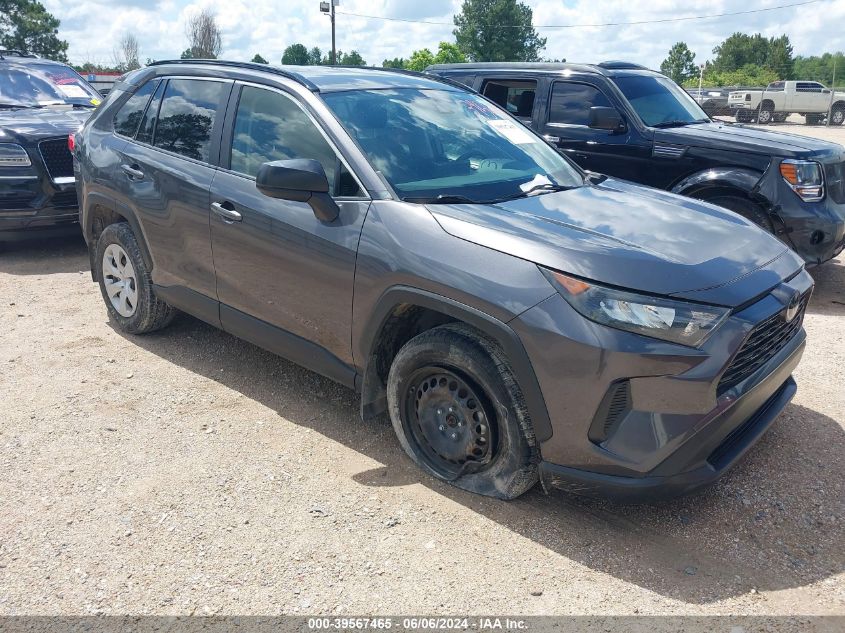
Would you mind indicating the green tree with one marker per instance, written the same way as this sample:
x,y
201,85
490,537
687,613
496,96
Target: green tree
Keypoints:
x,y
448,53
420,60
351,59
482,36
779,59
296,54
680,64
258,59
315,55
187,54
25,25
396,62
820,68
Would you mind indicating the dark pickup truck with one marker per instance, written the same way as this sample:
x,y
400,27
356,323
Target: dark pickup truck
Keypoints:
x,y
626,121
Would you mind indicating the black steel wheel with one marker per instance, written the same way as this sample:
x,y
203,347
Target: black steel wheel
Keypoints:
x,y
458,412
449,421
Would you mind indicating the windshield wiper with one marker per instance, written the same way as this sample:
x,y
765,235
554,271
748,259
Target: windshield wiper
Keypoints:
x,y
547,187
443,198
679,123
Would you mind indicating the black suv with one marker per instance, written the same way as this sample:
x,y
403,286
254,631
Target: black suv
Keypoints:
x,y
41,103
624,120
516,317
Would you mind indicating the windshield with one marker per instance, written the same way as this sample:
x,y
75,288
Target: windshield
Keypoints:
x,y
39,85
449,144
659,101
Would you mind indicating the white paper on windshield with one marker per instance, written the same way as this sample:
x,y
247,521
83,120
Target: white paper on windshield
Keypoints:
x,y
511,131
538,181
72,91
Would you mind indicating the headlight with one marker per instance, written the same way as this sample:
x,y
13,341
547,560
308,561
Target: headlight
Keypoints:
x,y
804,177
658,317
12,155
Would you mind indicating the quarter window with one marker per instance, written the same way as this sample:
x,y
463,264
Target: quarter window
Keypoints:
x,y
129,115
571,102
186,117
270,126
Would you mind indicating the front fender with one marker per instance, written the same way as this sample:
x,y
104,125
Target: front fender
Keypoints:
x,y
740,178
372,390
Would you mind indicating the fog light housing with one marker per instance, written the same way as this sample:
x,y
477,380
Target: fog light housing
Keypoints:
x,y
804,177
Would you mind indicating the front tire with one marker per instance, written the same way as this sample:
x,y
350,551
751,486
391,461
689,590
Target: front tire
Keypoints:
x,y
740,204
459,413
126,285
837,116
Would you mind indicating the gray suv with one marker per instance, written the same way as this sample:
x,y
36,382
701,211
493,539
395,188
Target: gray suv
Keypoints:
x,y
516,317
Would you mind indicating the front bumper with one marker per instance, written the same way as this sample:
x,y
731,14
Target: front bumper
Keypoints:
x,y
677,426
34,206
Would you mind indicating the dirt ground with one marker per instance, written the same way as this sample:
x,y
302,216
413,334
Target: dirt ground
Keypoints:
x,y
189,472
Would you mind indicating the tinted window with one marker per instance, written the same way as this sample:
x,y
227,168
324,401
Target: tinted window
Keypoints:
x,y
659,101
145,130
464,78
186,117
806,86
517,97
776,86
129,116
270,126
571,102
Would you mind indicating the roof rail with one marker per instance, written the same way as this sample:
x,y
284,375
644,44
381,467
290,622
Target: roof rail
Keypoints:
x,y
615,64
276,70
10,52
424,75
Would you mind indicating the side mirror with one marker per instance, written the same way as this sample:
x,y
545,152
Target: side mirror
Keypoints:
x,y
605,118
300,179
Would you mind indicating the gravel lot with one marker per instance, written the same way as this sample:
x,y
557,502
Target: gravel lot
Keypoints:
x,y
189,472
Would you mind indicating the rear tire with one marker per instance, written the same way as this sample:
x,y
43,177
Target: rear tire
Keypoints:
x,y
459,413
126,285
765,115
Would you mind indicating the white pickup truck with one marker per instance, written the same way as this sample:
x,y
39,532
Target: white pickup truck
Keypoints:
x,y
782,98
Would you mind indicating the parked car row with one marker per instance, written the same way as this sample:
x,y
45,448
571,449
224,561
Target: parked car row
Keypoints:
x,y
440,250
517,317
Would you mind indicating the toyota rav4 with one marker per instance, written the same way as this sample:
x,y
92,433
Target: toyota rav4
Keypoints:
x,y
516,317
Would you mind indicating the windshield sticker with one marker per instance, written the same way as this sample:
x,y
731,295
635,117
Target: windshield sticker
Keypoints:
x,y
73,92
511,131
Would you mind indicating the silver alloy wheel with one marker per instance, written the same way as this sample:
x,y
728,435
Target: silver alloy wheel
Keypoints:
x,y
838,117
120,281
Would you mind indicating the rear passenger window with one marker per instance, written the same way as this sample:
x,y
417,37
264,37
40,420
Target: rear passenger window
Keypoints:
x,y
187,115
571,102
129,115
517,97
270,126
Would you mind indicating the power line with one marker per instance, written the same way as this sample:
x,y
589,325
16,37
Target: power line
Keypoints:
x,y
577,26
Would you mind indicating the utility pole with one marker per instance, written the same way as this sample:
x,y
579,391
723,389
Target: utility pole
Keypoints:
x,y
832,94
700,81
328,7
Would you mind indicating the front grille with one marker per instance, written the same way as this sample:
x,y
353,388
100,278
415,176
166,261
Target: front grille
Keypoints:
x,y
765,341
834,175
57,157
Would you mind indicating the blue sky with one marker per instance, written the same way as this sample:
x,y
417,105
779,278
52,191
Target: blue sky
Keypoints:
x,y
268,26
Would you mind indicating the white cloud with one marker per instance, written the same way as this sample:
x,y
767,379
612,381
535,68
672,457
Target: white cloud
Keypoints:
x,y
268,26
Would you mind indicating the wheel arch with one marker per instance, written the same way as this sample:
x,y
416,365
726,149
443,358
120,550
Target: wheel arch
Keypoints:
x,y
742,179
99,212
402,312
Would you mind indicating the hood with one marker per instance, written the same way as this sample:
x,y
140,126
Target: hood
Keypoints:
x,y
36,123
741,138
626,235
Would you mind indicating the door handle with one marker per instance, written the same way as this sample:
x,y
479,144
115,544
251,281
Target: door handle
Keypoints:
x,y
130,171
551,138
228,215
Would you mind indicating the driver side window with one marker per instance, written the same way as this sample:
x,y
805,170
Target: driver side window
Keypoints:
x,y
270,126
